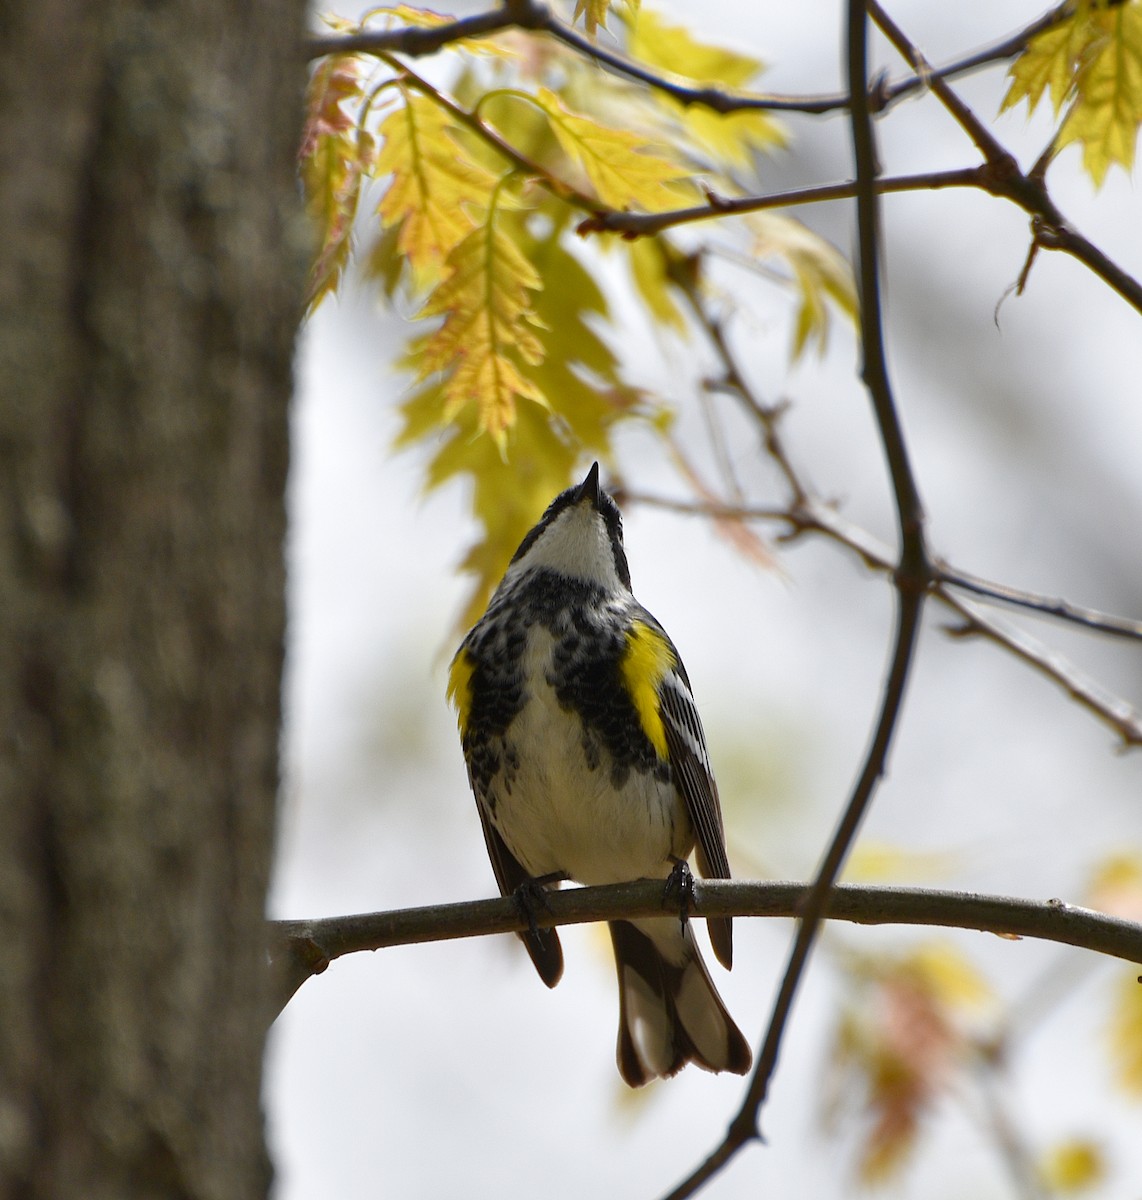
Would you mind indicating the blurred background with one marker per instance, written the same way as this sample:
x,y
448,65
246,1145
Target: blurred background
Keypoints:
x,y
449,1069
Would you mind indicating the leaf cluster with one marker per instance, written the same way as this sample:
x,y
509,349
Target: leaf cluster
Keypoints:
x,y
516,362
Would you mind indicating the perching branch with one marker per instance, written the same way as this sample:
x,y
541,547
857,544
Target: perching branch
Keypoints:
x,y
301,949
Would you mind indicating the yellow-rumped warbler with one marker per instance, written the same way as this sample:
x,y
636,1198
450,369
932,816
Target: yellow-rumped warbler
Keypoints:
x,y
588,762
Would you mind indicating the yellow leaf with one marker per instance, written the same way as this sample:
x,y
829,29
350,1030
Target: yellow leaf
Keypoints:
x,y
672,48
901,1041
1049,63
1073,1166
948,975
648,270
727,138
820,273
614,160
437,193
593,12
1092,62
1126,1032
426,18
1108,109
331,160
880,862
488,329
1116,886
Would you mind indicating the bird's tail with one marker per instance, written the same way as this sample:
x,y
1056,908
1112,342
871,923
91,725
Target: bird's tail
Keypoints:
x,y
670,1013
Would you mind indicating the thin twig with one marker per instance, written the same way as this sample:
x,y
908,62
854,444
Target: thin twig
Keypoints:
x,y
634,225
304,948
1002,177
533,16
1049,606
812,516
991,150
413,40
998,1124
912,579
492,138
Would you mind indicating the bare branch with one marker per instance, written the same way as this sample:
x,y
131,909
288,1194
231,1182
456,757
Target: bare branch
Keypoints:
x,y
1049,606
813,516
303,948
633,225
991,150
912,580
1049,227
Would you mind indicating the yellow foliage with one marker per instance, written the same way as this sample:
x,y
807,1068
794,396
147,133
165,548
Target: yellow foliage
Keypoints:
x,y
880,862
725,138
947,975
331,160
820,273
593,12
1116,886
615,161
579,369
648,269
488,332
437,193
899,1042
1092,62
479,232
1073,1166
1108,110
1126,1033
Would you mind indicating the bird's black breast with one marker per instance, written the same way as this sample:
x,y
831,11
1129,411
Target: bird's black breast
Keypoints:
x,y
588,632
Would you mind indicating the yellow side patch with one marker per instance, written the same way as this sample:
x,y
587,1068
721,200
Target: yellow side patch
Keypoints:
x,y
644,665
460,687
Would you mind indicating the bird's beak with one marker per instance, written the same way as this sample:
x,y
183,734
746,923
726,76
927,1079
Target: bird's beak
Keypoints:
x,y
589,488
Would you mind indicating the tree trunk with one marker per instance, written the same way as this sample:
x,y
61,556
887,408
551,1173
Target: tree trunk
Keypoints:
x,y
150,264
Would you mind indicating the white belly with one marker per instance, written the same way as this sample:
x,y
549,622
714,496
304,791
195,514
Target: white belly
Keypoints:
x,y
558,811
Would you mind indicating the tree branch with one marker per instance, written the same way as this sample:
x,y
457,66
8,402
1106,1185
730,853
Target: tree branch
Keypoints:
x,y
533,16
634,225
813,516
1049,606
300,949
1003,177
912,579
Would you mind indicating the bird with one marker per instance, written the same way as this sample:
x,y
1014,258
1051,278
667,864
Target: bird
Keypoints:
x,y
588,762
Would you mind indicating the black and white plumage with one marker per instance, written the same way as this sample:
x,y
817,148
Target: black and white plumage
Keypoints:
x,y
588,762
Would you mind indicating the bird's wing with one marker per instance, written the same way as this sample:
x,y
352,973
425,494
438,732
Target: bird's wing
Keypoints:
x,y
542,944
690,762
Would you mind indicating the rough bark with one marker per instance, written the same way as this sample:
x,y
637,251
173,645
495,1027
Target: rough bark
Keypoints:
x,y
150,263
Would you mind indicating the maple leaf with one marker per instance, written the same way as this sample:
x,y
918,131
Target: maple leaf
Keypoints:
x,y
488,329
331,160
1108,108
437,193
1091,63
614,160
